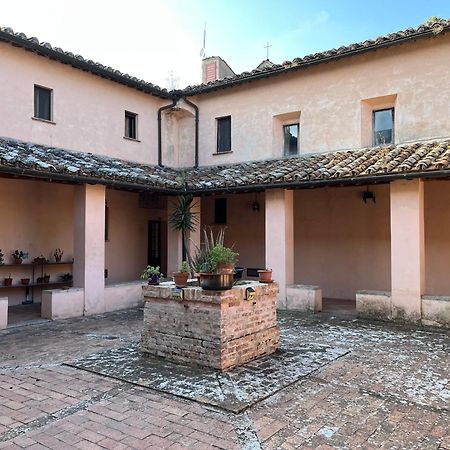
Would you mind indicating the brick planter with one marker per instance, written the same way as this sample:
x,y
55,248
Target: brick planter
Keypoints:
x,y
218,329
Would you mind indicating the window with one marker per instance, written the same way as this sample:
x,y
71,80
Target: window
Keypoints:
x,y
42,103
290,139
220,211
130,125
383,126
224,134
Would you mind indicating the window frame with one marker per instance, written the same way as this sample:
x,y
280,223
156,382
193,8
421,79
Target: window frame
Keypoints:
x,y
374,111
36,89
218,121
130,114
284,126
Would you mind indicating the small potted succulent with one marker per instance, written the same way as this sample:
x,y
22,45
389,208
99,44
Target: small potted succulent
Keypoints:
x,y
181,277
152,274
18,256
8,281
58,254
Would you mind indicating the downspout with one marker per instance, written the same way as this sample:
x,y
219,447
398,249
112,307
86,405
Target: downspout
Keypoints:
x,y
196,129
160,110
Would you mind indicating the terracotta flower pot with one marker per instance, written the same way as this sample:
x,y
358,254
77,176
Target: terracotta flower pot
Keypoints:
x,y
25,281
180,279
7,282
265,276
225,268
18,260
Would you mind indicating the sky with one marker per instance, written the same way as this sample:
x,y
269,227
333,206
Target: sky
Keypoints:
x,y
160,40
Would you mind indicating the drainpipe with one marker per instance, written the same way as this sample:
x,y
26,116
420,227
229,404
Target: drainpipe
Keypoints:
x,y
196,129
160,110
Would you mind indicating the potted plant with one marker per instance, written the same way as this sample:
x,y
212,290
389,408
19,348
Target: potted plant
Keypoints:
x,y
58,254
208,258
183,218
25,281
46,278
2,261
223,259
152,274
265,275
182,275
18,256
8,281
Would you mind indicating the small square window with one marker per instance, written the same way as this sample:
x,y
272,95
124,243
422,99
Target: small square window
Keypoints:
x,y
224,134
383,126
290,139
130,125
42,103
220,211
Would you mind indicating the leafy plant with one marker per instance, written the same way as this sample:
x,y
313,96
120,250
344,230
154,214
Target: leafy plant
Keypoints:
x,y
2,261
212,252
184,219
19,254
220,254
184,268
150,272
58,254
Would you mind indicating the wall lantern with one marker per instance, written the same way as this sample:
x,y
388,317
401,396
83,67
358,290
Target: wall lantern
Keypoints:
x,y
255,205
368,195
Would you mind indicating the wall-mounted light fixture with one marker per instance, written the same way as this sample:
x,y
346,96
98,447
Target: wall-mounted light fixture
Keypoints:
x,y
255,205
368,195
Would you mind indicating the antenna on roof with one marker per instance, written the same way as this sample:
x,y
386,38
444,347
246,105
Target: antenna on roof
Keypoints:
x,y
203,51
267,46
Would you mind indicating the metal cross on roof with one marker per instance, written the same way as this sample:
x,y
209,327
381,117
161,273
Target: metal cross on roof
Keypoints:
x,y
267,49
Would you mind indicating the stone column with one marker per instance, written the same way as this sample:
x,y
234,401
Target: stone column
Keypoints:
x,y
407,249
174,248
89,246
280,239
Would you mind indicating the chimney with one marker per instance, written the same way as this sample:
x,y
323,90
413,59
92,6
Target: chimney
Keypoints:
x,y
215,68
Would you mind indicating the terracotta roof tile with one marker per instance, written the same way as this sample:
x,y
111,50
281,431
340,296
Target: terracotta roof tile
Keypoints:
x,y
423,158
424,30
341,167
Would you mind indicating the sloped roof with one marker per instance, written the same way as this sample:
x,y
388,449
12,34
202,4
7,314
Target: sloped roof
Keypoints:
x,y
374,164
24,158
367,165
77,61
264,71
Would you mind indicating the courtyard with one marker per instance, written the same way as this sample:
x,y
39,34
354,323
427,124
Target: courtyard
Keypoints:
x,y
337,382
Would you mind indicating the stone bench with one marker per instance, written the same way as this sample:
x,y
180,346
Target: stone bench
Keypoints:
x,y
62,303
301,297
374,305
436,310
3,312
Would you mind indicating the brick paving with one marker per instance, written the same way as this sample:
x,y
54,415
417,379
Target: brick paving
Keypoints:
x,y
391,391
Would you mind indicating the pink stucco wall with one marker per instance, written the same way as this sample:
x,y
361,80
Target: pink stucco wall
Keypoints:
x,y
332,101
126,249
341,243
245,228
88,110
38,217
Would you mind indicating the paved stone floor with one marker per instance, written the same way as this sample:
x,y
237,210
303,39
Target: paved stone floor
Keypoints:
x,y
390,389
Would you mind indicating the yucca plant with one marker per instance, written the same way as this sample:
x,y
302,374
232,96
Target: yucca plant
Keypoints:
x,y
184,219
